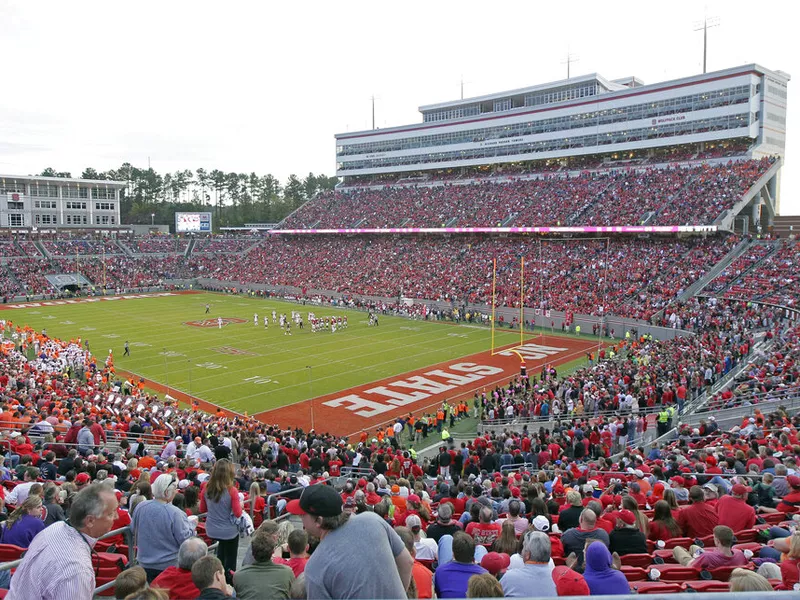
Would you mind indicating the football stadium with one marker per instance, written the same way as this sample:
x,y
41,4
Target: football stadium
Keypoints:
x,y
533,320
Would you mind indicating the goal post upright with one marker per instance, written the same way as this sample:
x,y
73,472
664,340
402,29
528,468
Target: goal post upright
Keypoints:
x,y
494,298
521,308
521,298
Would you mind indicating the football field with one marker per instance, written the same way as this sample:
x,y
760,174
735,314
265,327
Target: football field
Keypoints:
x,y
244,367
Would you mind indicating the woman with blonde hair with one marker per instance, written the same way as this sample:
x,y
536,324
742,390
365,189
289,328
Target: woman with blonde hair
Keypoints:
x,y
256,503
24,523
744,580
484,586
220,499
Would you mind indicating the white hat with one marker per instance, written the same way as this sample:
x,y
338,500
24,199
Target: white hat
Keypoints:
x,y
752,420
413,521
639,473
14,434
540,523
712,418
184,483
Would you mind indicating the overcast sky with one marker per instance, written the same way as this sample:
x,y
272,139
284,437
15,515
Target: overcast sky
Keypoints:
x,y
264,86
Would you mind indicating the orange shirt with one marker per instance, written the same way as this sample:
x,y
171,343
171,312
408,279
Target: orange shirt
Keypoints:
x,y
423,577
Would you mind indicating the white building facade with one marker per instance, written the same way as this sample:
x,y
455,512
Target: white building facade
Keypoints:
x,y
586,115
28,202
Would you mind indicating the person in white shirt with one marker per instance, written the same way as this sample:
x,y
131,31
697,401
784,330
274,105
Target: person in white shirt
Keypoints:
x,y
21,491
425,548
204,454
192,447
58,563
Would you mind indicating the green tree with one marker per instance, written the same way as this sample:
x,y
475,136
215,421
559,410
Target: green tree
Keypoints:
x,y
293,194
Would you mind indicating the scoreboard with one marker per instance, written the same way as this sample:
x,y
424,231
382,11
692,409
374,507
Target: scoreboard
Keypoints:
x,y
189,222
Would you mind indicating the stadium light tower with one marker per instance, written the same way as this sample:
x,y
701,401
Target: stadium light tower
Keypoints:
x,y
704,25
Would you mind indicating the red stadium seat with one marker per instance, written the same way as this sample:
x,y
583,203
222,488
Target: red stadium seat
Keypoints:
x,y
746,535
708,541
637,560
666,556
707,586
774,518
634,573
677,572
724,573
684,542
754,547
655,587
427,563
10,552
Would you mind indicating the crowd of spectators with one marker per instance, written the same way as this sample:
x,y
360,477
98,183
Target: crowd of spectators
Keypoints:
x,y
71,247
640,375
625,276
29,272
775,375
678,195
754,254
67,421
774,279
10,248
712,189
157,244
223,244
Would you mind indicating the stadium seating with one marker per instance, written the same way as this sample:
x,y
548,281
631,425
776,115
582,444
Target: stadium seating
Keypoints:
x,y
675,195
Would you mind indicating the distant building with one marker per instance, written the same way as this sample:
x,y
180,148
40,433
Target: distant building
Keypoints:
x,y
54,202
581,116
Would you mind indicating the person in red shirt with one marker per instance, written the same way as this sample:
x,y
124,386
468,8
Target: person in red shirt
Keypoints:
x,y
734,511
699,518
335,467
711,493
298,551
177,581
663,526
458,503
723,555
791,501
484,531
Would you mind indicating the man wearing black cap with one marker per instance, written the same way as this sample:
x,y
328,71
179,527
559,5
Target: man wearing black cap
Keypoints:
x,y
383,565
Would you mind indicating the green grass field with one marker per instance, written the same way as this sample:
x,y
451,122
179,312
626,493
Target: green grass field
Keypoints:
x,y
275,372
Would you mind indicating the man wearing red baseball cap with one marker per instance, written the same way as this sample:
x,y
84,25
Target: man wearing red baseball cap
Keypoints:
x,y
791,501
569,582
626,537
734,511
383,568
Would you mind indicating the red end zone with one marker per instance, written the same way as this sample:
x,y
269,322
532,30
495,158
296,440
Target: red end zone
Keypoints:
x,y
365,407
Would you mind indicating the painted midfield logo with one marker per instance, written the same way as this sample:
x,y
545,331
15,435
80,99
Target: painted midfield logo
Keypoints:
x,y
233,351
214,322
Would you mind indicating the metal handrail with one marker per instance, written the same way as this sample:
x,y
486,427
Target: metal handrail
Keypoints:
x,y
566,416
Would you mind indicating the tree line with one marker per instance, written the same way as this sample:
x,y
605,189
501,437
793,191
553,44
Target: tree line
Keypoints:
x,y
234,198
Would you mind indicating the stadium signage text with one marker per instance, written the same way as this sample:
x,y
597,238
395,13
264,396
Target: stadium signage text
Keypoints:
x,y
673,119
415,388
86,300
